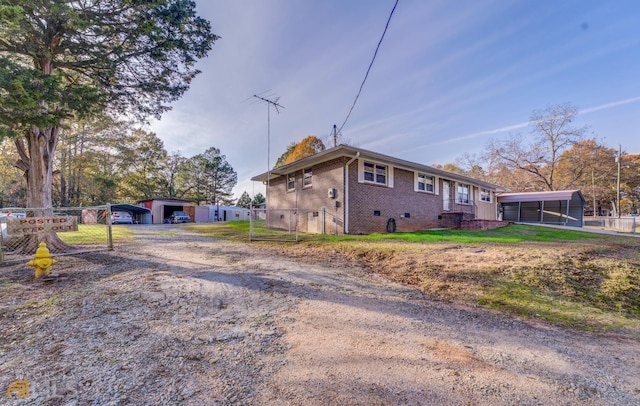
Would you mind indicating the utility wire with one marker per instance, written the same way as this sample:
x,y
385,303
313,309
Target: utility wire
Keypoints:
x,y
370,65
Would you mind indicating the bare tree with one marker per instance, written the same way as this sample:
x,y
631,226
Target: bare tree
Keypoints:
x,y
553,132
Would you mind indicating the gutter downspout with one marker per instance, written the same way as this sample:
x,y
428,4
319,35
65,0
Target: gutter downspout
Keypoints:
x,y
346,192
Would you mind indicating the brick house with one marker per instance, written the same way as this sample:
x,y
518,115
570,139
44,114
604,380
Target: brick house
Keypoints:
x,y
349,190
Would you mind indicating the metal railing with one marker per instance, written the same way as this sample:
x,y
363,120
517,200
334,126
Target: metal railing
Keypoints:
x,y
463,207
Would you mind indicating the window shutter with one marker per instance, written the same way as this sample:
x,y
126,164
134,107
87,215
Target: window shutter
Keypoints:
x,y
415,182
390,174
436,185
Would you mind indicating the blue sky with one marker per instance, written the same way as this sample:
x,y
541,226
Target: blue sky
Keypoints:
x,y
449,76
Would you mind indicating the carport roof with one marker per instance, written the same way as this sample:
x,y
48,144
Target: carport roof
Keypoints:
x,y
167,199
539,196
130,208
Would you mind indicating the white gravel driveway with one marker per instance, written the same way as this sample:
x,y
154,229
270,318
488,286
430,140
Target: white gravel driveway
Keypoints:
x,y
176,318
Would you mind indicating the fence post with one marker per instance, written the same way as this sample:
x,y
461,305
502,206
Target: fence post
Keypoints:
x,y
1,247
109,232
251,214
324,220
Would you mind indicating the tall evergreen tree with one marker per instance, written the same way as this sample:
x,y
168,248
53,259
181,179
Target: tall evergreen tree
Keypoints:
x,y
258,199
221,177
244,201
74,58
209,178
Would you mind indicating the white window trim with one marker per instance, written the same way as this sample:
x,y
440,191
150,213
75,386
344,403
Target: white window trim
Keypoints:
x,y
304,172
361,173
489,192
294,182
436,182
469,193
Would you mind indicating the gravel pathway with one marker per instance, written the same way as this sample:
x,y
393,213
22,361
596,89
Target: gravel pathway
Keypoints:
x,y
176,318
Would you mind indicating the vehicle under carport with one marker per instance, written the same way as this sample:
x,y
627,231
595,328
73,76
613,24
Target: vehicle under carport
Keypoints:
x,y
141,215
162,208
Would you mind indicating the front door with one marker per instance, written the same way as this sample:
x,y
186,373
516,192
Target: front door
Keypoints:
x,y
446,196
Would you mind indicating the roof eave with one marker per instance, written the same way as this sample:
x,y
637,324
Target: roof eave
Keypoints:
x,y
346,150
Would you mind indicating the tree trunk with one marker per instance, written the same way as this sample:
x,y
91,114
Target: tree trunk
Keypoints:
x,y
64,198
36,162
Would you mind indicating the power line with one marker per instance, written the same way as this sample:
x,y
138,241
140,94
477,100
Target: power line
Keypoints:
x,y
370,65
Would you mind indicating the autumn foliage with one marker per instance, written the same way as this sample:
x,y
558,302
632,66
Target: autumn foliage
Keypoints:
x,y
308,146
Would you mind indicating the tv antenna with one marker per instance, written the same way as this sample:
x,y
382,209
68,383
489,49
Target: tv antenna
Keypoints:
x,y
277,106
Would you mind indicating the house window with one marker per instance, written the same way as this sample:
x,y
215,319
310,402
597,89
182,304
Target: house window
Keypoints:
x,y
425,183
375,173
462,194
291,182
306,178
485,195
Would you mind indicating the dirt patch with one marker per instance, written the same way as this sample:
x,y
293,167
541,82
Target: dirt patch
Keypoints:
x,y
182,319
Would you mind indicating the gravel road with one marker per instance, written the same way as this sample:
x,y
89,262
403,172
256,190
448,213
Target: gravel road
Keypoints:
x,y
176,318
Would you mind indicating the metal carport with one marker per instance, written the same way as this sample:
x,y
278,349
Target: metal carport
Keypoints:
x,y
141,215
563,207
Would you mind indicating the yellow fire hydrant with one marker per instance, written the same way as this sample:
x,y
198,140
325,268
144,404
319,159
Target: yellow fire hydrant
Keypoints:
x,y
42,261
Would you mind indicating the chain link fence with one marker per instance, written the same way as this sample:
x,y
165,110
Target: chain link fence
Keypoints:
x,y
65,230
287,224
321,221
273,224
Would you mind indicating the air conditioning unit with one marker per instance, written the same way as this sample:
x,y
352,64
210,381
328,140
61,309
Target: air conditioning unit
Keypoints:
x,y
332,193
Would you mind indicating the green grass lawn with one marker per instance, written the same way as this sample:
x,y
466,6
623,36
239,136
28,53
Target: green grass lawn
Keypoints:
x,y
95,234
506,235
239,230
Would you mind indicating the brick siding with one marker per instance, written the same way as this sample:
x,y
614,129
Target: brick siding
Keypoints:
x,y
371,206
366,199
312,199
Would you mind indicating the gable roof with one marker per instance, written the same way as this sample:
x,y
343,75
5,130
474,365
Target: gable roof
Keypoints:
x,y
351,152
539,196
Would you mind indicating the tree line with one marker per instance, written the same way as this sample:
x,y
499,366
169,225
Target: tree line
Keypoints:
x,y
102,161
558,155
64,62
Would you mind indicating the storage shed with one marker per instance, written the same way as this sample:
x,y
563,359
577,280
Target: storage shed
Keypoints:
x,y
163,207
562,207
227,213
